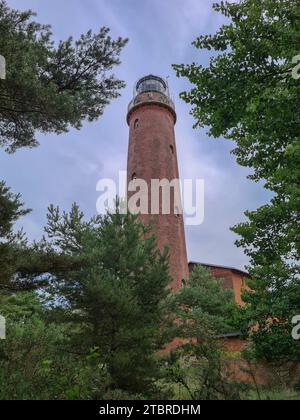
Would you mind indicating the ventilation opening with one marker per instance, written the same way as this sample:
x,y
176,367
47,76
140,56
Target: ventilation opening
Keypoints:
x,y
136,123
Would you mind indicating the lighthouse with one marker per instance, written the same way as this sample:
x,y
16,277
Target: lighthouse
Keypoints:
x,y
152,160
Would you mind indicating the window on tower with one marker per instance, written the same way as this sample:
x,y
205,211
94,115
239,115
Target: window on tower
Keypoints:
x,y
177,212
172,149
136,123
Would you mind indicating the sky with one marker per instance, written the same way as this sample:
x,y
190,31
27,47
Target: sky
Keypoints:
x,y
65,169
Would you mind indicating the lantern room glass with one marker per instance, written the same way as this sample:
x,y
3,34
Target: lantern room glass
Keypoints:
x,y
150,84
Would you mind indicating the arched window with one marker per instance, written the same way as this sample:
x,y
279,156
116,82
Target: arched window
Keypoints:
x,y
136,123
133,178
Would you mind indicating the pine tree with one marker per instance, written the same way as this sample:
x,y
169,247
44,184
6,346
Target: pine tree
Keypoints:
x,y
200,315
51,88
114,300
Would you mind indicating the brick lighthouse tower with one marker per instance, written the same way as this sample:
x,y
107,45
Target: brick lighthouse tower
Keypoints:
x,y
152,156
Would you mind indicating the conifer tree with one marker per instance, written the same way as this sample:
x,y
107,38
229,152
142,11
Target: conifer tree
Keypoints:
x,y
48,87
114,300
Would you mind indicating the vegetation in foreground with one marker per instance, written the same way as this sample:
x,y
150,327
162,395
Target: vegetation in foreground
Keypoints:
x,y
87,307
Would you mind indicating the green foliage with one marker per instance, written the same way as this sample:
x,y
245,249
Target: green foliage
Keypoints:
x,y
203,306
114,298
11,209
248,94
35,361
20,262
47,89
51,88
93,330
201,315
11,243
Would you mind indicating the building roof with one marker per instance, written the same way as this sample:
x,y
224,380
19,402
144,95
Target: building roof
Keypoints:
x,y
220,266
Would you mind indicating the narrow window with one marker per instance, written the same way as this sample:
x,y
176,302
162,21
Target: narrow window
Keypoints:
x,y
172,149
136,123
177,212
133,178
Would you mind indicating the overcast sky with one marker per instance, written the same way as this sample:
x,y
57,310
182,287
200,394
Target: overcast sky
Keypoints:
x,y
66,168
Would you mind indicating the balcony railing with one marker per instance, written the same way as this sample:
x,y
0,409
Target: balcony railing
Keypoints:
x,y
149,97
